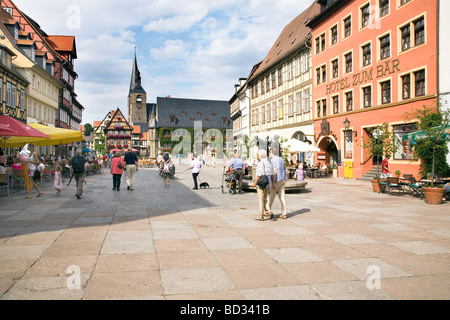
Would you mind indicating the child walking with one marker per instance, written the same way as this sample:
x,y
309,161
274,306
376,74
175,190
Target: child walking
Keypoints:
x,y
57,180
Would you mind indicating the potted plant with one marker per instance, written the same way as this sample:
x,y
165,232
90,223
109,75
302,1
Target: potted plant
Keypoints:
x,y
398,173
430,145
380,142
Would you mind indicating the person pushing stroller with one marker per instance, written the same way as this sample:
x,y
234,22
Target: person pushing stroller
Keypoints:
x,y
237,167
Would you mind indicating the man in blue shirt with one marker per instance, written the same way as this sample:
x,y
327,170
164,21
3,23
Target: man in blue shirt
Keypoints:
x,y
278,181
237,166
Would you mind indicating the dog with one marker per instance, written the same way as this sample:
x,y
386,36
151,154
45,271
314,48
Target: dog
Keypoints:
x,y
204,185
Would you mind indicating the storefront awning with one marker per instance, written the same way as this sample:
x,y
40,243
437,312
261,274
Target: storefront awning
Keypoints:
x,y
414,136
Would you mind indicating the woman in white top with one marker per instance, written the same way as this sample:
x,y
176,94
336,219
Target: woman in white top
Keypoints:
x,y
264,168
33,162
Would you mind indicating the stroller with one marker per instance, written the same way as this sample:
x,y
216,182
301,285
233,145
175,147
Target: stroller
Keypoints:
x,y
228,181
167,175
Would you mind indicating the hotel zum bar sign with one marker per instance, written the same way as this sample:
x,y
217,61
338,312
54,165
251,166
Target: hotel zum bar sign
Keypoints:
x,y
382,70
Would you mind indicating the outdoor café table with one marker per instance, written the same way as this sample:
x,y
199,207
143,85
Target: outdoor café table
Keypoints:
x,y
310,172
291,172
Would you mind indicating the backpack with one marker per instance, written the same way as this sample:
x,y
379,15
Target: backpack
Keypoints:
x,y
77,164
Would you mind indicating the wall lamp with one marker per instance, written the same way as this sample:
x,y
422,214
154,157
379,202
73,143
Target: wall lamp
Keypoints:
x,y
347,126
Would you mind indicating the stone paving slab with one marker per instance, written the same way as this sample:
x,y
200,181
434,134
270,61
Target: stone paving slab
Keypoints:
x,y
175,243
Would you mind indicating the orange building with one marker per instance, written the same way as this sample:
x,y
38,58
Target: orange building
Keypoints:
x,y
373,61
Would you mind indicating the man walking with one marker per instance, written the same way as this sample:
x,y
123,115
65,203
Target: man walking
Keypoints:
x,y
385,168
77,166
278,181
132,165
237,166
196,165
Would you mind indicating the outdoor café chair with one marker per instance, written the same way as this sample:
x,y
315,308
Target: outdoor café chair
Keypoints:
x,y
17,177
393,184
4,181
415,189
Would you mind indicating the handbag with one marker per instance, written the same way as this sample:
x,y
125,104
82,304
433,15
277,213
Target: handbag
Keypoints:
x,y
36,175
263,181
120,165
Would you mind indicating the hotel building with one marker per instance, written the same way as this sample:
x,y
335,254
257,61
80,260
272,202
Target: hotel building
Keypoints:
x,y
373,61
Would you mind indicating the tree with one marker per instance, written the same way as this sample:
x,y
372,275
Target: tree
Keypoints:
x,y
88,129
430,141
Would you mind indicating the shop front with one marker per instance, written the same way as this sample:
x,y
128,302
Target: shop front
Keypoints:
x,y
341,139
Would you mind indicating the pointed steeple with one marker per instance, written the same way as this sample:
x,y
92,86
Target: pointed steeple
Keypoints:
x,y
135,85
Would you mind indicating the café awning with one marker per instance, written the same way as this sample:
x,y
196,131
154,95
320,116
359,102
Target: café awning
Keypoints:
x,y
56,136
297,146
414,136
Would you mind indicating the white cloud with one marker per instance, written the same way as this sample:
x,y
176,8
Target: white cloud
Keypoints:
x,y
182,17
173,49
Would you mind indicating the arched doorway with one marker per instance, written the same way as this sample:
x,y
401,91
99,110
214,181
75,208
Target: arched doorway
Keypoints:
x,y
329,146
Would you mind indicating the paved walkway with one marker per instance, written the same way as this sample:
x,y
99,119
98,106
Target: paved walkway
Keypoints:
x,y
340,241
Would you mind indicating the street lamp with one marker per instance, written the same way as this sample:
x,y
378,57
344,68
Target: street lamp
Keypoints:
x,y
347,126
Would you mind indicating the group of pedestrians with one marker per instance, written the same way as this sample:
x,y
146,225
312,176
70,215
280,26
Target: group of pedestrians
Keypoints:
x,y
77,165
33,167
275,171
129,163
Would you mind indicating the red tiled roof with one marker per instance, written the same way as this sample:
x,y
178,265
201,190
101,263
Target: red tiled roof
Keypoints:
x,y
9,21
136,129
25,42
291,38
63,43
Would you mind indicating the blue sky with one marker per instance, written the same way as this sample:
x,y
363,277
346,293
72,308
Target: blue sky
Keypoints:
x,y
185,49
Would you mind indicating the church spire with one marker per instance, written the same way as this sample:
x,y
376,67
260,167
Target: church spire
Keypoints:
x,y
135,85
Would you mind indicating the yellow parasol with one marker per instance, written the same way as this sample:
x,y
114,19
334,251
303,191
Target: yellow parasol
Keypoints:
x,y
57,136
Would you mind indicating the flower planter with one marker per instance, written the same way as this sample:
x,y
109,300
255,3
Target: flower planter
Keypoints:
x,y
433,195
376,185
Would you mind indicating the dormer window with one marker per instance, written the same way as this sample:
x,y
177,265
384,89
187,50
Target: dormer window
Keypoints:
x,y
172,119
225,121
5,58
9,10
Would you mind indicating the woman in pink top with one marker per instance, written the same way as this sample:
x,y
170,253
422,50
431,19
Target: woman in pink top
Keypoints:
x,y
117,170
16,165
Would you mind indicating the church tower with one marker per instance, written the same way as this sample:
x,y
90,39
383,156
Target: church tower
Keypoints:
x,y
137,97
